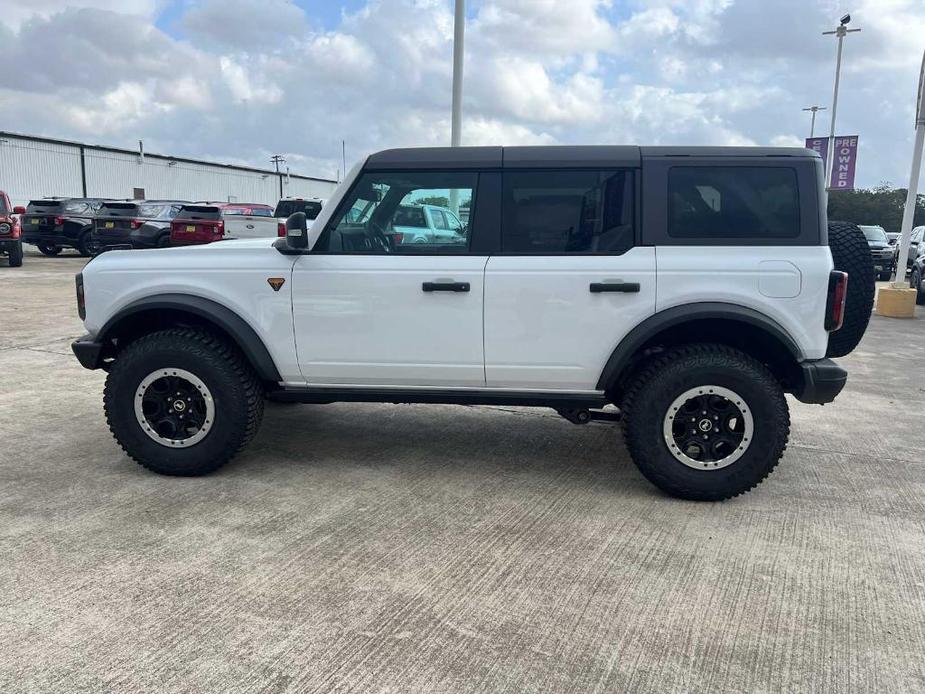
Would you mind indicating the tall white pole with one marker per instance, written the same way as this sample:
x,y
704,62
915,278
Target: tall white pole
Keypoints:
x,y
830,156
459,36
841,31
459,40
912,193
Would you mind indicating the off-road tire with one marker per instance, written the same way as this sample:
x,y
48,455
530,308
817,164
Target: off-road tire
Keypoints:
x,y
236,391
16,256
851,254
915,282
49,250
666,377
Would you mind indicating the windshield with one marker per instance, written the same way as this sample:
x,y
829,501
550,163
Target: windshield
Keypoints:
x,y
311,208
874,233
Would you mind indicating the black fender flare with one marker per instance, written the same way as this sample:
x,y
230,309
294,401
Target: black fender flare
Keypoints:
x,y
687,313
246,338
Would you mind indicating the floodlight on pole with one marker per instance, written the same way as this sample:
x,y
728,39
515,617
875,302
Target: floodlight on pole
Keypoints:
x,y
812,125
912,192
841,31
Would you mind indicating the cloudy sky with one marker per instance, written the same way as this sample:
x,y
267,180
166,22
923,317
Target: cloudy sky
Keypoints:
x,y
239,80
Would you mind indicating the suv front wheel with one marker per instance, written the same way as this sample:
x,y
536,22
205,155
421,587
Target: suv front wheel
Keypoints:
x,y
705,422
182,401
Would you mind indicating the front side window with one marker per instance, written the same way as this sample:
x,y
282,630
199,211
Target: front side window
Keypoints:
x,y
733,202
394,213
567,212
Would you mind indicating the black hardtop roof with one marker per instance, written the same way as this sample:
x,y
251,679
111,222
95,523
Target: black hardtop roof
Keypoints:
x,y
544,156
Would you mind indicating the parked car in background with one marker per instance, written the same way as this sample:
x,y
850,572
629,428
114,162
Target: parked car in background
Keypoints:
x,y
917,278
880,250
287,206
245,221
55,223
915,240
428,224
221,221
139,224
892,237
10,232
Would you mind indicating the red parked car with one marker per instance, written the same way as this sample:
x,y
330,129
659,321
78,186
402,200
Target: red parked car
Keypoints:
x,y
10,231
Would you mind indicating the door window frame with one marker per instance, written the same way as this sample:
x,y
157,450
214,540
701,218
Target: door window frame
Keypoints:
x,y
475,231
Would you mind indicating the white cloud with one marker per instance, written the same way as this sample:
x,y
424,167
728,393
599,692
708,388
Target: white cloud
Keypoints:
x,y
246,78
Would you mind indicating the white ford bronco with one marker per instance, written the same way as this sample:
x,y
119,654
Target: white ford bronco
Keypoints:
x,y
691,288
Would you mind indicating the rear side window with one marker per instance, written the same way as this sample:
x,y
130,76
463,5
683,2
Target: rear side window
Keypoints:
x,y
567,212
733,202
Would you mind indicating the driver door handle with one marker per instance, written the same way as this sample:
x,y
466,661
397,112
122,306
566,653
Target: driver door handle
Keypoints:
x,y
624,287
445,286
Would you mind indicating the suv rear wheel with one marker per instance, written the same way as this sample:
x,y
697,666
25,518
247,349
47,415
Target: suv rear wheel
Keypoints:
x,y
705,422
86,244
182,401
49,249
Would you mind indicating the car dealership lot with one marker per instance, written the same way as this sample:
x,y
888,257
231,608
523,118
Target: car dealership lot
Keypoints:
x,y
404,548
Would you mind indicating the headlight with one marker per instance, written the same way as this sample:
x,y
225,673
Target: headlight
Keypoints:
x,y
5,228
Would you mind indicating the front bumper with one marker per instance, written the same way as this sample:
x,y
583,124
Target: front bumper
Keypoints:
x,y
88,351
822,381
9,244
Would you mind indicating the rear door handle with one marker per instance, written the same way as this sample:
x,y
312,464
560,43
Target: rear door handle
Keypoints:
x,y
445,286
624,287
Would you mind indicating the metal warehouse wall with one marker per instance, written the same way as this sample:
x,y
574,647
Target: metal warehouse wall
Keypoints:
x,y
32,169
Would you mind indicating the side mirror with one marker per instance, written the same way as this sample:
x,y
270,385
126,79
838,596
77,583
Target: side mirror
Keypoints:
x,y
297,231
19,209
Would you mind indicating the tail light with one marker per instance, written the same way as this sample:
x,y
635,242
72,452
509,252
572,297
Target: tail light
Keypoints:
x,y
835,301
220,228
136,223
59,220
281,229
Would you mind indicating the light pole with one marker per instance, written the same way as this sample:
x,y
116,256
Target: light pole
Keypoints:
x,y
912,193
841,31
812,125
459,36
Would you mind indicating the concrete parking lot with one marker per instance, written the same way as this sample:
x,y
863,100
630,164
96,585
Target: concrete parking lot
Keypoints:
x,y
376,548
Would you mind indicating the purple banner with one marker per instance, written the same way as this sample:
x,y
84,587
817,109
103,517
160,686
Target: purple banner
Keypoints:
x,y
846,159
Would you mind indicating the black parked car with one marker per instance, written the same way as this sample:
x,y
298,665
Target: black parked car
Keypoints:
x,y
880,250
56,223
917,278
139,223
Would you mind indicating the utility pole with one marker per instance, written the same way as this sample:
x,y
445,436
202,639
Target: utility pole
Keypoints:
x,y
278,159
812,125
841,31
343,154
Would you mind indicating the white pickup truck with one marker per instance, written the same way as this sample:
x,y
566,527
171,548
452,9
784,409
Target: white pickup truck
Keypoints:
x,y
690,287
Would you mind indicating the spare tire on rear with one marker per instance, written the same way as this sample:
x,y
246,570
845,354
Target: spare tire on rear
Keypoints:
x,y
851,254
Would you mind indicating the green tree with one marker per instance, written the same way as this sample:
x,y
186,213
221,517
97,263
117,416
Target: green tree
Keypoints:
x,y
881,205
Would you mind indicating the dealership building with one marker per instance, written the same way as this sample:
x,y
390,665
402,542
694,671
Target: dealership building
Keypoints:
x,y
34,167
